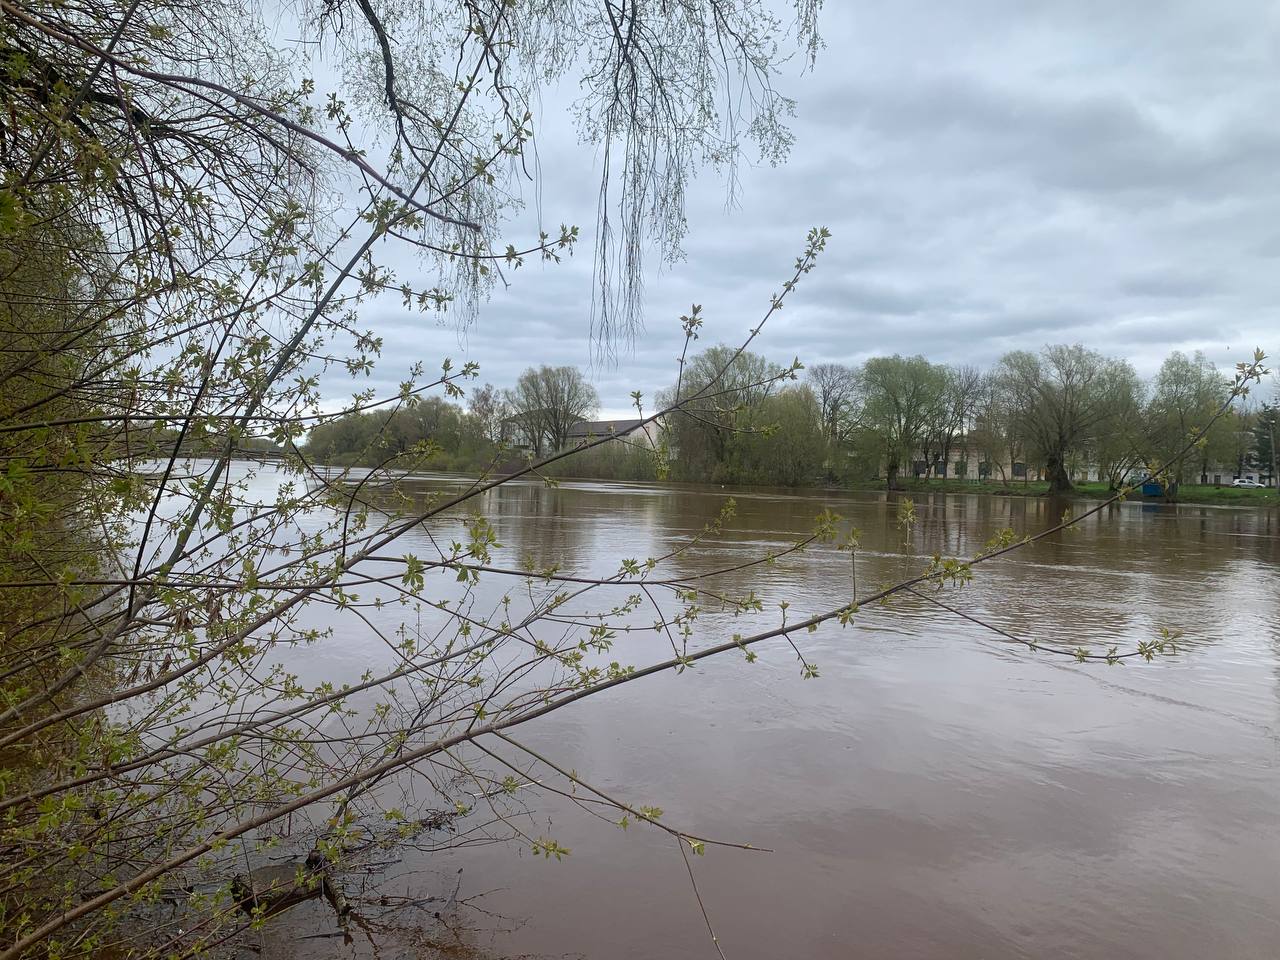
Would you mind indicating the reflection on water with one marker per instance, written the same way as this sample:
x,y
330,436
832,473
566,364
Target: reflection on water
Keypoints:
x,y
938,792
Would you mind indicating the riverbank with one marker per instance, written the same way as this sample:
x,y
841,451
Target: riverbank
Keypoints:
x,y
1187,493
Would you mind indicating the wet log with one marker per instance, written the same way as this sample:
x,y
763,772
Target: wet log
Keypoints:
x,y
270,890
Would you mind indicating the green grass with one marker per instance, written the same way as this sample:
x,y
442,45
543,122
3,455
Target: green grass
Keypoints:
x,y
1187,493
1232,495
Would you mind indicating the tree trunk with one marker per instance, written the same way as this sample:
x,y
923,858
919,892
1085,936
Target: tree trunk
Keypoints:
x,y
891,475
1271,432
1059,479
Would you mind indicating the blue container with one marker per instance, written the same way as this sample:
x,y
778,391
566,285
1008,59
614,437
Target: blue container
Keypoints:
x,y
1154,488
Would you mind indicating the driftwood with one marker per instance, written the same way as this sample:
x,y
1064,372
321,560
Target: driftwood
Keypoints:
x,y
270,890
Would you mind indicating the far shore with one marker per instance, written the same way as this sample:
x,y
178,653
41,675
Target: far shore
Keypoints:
x,y
1187,493
1220,494
1223,494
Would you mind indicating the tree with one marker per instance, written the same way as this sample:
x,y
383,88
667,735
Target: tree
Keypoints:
x,y
1118,450
489,406
1188,392
176,273
995,430
548,401
835,387
722,390
1063,398
953,413
901,393
1266,430
782,446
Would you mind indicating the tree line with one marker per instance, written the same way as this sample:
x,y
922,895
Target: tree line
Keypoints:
x,y
536,414
1059,413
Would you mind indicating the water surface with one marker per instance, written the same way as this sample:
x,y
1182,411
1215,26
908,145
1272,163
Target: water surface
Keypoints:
x,y
937,791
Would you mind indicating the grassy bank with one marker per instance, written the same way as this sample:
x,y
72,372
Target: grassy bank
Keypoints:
x,y
1187,493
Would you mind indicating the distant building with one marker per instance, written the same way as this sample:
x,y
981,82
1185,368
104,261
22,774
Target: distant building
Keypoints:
x,y
969,462
585,430
516,434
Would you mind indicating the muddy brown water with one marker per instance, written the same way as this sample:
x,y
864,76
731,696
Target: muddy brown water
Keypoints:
x,y
936,792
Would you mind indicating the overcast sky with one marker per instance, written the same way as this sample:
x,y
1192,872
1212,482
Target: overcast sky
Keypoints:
x,y
996,175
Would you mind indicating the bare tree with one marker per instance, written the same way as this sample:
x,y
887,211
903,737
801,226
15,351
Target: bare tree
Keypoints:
x,y
994,433
490,407
952,416
548,401
836,388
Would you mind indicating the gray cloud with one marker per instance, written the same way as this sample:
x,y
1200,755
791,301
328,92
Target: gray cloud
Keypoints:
x,y
996,175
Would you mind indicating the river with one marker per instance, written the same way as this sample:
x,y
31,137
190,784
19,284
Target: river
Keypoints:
x,y
937,792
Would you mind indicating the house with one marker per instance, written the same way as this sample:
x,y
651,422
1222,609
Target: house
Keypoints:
x,y
586,430
516,433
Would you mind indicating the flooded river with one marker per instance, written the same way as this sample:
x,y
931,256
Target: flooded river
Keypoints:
x,y
937,792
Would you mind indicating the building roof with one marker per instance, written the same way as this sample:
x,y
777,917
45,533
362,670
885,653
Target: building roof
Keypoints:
x,y
600,428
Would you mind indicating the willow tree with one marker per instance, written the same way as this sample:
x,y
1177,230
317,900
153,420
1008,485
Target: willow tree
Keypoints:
x,y
1064,398
720,392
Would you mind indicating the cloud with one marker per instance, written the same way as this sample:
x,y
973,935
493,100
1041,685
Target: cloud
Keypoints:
x,y
996,175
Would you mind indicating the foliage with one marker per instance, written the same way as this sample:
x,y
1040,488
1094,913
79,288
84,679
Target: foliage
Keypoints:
x,y
1186,394
1187,493
902,393
191,233
784,445
1065,398
730,428
1263,437
617,460
422,432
